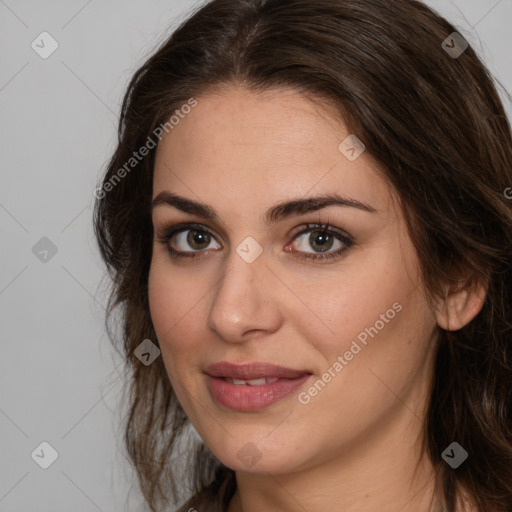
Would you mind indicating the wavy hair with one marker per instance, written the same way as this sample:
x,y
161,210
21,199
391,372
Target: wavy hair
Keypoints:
x,y
438,129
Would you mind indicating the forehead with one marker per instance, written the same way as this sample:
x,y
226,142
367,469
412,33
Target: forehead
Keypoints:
x,y
262,148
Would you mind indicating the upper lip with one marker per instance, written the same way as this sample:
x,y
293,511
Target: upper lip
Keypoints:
x,y
252,371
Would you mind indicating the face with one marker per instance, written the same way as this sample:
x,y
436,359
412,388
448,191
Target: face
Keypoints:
x,y
340,306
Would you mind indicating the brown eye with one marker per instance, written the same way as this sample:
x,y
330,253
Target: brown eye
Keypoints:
x,y
195,239
322,239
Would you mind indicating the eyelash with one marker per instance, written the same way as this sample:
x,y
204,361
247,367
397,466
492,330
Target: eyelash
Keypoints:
x,y
347,240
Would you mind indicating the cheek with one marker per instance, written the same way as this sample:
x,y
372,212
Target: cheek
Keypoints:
x,y
361,300
368,365
175,295
174,304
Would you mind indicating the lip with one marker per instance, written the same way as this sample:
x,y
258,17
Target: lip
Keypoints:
x,y
252,371
247,397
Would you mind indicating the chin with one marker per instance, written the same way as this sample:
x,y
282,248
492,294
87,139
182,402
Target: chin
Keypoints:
x,y
257,454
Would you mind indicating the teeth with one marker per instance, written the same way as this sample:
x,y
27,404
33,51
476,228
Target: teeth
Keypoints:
x,y
252,382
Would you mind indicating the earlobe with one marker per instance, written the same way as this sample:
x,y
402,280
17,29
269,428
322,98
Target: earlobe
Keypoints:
x,y
460,306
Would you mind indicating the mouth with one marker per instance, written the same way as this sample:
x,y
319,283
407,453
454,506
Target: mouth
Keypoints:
x,y
253,373
250,387
251,382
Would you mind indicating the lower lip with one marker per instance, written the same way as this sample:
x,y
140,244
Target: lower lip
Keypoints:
x,y
252,398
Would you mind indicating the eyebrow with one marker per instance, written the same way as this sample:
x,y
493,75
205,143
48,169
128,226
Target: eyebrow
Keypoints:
x,y
273,215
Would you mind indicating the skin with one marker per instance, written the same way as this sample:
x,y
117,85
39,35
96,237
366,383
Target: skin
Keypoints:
x,y
355,445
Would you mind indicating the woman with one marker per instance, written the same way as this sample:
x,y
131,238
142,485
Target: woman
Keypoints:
x,y
307,230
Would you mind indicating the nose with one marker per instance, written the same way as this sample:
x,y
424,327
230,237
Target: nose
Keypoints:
x,y
243,303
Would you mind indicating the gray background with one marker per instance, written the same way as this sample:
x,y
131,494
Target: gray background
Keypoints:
x,y
59,380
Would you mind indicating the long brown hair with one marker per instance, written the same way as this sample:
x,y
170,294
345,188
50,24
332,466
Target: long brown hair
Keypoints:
x,y
436,125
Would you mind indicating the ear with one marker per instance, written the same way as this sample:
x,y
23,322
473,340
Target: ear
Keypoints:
x,y
460,305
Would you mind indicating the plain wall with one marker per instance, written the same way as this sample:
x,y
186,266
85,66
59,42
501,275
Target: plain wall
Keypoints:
x,y
58,377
